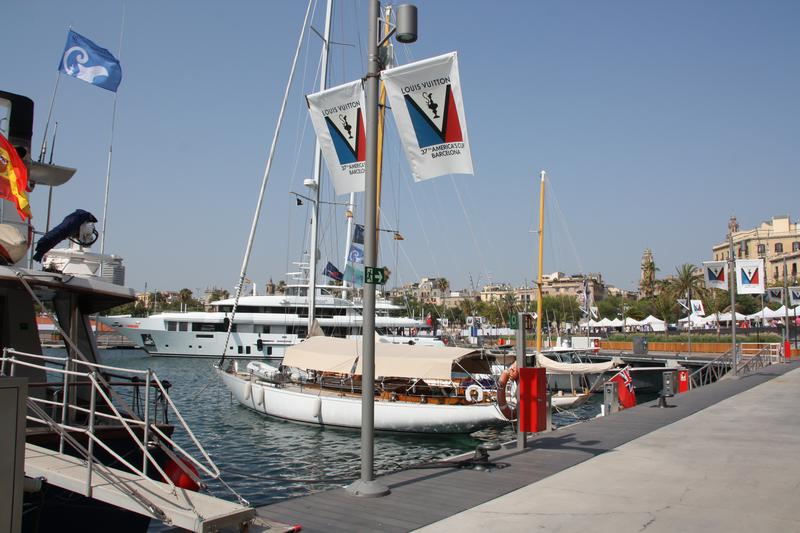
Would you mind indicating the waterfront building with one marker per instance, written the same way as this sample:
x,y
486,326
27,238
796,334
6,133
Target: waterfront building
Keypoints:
x,y
772,240
559,284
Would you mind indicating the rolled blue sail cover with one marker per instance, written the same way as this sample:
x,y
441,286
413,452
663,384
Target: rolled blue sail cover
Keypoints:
x,y
68,227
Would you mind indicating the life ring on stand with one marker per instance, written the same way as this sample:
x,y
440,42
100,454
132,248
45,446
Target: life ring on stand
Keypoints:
x,y
509,375
474,393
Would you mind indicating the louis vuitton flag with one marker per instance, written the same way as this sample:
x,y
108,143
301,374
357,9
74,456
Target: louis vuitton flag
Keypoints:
x,y
715,274
338,118
428,109
750,276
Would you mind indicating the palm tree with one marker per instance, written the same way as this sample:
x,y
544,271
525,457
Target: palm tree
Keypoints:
x,y
185,296
688,283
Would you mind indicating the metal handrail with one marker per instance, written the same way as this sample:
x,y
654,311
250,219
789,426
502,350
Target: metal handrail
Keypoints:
x,y
91,464
712,371
91,378
754,363
768,350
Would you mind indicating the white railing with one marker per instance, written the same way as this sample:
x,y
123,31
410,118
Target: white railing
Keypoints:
x,y
769,351
64,378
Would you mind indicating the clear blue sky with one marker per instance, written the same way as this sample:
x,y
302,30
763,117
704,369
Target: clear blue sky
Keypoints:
x,y
655,121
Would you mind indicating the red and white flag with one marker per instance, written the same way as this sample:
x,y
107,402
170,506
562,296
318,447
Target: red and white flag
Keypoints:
x,y
627,395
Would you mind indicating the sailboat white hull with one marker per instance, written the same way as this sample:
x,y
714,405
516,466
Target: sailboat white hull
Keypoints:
x,y
345,411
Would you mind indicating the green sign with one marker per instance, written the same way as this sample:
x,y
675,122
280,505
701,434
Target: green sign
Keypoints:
x,y
375,275
513,321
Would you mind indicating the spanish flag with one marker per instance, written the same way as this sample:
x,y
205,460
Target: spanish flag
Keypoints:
x,y
13,178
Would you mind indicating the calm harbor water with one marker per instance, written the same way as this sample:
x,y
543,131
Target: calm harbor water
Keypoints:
x,y
266,459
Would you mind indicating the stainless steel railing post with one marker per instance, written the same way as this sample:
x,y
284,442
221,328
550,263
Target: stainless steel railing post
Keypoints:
x,y
64,401
90,447
146,432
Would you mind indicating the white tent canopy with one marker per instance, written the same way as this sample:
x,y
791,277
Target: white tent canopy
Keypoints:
x,y
723,317
617,323
697,320
655,324
767,314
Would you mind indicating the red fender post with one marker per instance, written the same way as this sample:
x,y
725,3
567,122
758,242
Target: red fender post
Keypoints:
x,y
532,400
683,380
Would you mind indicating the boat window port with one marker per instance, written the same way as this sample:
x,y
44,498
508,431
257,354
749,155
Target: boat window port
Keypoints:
x,y
247,350
211,327
239,349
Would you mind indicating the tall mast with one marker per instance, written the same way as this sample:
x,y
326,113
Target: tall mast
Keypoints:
x,y
539,276
314,185
381,115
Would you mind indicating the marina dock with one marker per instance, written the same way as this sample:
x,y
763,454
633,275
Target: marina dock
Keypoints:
x,y
722,458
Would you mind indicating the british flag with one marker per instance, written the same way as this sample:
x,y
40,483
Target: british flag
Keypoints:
x,y
627,394
627,380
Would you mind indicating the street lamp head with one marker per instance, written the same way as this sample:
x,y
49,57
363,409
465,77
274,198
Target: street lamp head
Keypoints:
x,y
406,23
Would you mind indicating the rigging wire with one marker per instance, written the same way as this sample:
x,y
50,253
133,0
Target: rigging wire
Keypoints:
x,y
264,182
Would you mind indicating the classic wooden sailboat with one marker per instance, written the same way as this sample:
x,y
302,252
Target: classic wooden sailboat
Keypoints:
x,y
418,389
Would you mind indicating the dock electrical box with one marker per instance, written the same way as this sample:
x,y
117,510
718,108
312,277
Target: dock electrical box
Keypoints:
x,y
670,385
610,398
639,346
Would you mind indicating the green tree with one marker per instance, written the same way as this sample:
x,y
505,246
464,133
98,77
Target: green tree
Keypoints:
x,y
687,283
185,297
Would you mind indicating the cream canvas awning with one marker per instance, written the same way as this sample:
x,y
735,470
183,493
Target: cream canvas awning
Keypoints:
x,y
330,354
557,367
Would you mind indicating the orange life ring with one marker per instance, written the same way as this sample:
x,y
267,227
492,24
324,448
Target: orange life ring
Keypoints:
x,y
509,374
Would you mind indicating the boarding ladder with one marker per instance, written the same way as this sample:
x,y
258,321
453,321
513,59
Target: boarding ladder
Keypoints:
x,y
128,486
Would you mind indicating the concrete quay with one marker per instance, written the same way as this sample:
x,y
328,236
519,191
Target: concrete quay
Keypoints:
x,y
722,459
730,467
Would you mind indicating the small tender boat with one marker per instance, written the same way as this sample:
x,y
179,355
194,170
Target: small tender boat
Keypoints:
x,y
418,389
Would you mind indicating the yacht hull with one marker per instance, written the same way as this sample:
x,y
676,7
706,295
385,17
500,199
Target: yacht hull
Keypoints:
x,y
345,411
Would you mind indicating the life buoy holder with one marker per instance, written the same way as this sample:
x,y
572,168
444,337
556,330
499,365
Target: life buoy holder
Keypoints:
x,y
509,375
474,393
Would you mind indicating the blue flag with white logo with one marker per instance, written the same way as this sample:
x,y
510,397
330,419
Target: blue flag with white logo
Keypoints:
x,y
86,61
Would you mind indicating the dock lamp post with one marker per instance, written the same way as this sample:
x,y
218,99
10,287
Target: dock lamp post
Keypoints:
x,y
405,31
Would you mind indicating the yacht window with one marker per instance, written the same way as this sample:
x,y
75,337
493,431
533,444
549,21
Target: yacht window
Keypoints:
x,y
247,350
183,326
172,326
300,331
269,350
239,349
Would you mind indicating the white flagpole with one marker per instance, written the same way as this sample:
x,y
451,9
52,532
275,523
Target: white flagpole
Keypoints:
x,y
110,150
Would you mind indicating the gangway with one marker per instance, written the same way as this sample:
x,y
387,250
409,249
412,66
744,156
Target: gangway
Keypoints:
x,y
182,508
80,409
